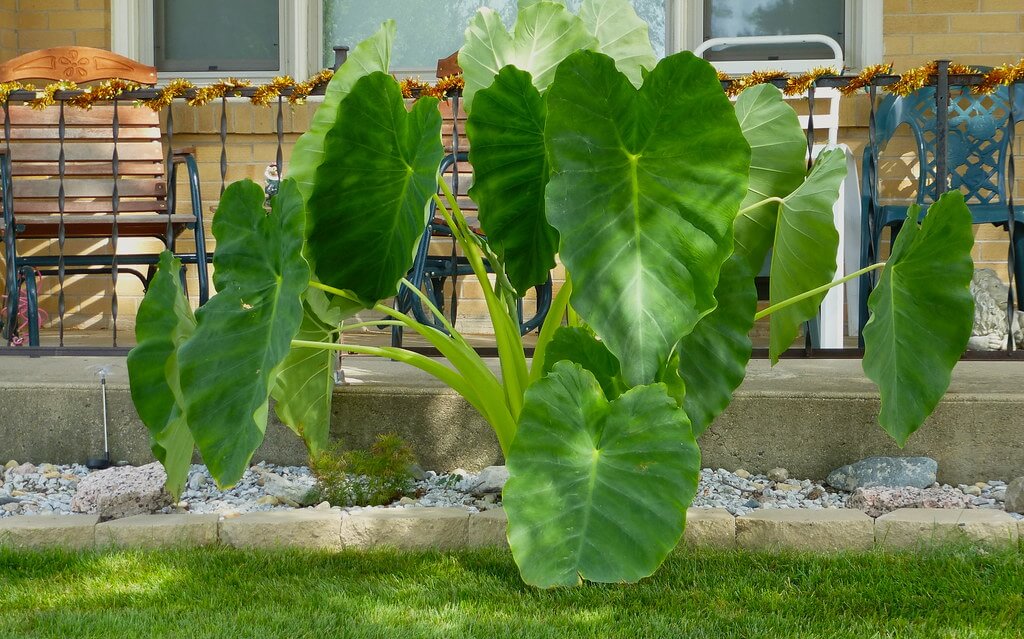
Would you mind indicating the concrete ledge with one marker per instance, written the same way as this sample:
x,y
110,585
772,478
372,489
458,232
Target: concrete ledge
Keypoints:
x,y
823,530
916,527
710,528
72,532
487,529
158,531
284,529
406,528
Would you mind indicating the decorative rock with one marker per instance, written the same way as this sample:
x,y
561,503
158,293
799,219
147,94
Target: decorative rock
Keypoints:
x,y
8,500
710,528
878,501
973,491
800,529
896,472
283,529
268,500
487,529
197,481
12,507
778,474
914,527
159,531
288,491
122,492
1013,502
23,469
742,473
324,505
490,480
420,528
416,472
11,464
73,532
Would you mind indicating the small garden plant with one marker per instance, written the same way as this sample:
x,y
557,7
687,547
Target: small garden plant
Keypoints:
x,y
364,478
661,198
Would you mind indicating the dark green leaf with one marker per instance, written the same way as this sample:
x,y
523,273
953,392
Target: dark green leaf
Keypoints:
x,y
597,490
162,325
778,165
368,210
244,332
579,345
804,256
713,358
644,203
922,314
510,171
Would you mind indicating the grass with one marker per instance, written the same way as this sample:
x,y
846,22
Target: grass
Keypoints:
x,y
227,593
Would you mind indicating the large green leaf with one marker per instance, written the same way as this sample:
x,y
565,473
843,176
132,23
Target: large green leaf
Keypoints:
x,y
778,165
510,171
713,358
597,490
368,209
644,203
244,332
372,54
579,345
621,34
162,325
544,34
804,256
305,382
922,314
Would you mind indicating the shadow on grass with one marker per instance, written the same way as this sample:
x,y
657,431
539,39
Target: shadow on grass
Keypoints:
x,y
217,592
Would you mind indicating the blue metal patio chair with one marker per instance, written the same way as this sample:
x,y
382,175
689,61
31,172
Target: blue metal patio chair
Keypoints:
x,y
432,271
977,156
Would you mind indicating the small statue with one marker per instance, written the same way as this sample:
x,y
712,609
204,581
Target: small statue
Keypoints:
x,y
990,298
272,181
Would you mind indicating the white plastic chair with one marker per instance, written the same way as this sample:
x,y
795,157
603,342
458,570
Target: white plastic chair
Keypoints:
x,y
827,121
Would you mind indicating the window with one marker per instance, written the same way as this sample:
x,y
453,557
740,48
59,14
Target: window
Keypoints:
x,y
429,30
227,35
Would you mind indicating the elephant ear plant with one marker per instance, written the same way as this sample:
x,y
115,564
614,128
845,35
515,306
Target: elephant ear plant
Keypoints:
x,y
660,197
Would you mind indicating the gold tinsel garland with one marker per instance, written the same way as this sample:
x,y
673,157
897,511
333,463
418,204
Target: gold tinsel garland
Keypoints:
x,y
803,83
865,78
1003,75
755,78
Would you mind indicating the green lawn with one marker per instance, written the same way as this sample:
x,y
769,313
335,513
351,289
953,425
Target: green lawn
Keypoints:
x,y
226,593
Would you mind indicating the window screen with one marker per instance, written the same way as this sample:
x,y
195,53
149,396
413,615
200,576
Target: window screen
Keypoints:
x,y
429,29
217,35
732,18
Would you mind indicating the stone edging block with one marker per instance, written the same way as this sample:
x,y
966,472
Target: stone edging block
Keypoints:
x,y
915,527
828,530
487,528
284,529
159,531
406,528
710,528
71,532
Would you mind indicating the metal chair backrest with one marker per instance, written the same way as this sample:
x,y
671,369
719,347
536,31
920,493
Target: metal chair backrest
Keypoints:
x,y
977,139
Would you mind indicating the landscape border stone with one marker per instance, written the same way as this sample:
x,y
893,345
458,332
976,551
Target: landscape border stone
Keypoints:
x,y
825,530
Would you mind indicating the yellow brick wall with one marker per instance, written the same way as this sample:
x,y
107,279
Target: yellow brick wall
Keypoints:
x,y
40,24
8,31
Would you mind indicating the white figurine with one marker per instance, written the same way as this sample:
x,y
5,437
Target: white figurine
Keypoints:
x,y
990,298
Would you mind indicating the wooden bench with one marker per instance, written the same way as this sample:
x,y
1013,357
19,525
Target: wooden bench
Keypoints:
x,y
47,198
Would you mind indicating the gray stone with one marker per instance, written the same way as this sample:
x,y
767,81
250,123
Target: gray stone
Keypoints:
x,y
1013,502
122,492
895,472
71,532
8,500
487,529
283,529
490,480
23,469
406,528
880,500
159,531
710,528
288,491
778,474
910,528
824,530
416,472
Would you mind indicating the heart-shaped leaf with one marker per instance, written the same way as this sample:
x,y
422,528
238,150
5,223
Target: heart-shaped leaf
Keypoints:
x,y
579,345
644,204
621,34
713,358
163,324
597,490
510,171
244,332
778,166
544,34
368,210
922,313
804,256
372,54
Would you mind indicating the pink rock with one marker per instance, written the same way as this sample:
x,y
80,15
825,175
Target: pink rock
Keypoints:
x,y
122,492
879,501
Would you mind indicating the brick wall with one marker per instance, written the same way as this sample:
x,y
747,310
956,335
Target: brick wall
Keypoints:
x,y
8,32
39,24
